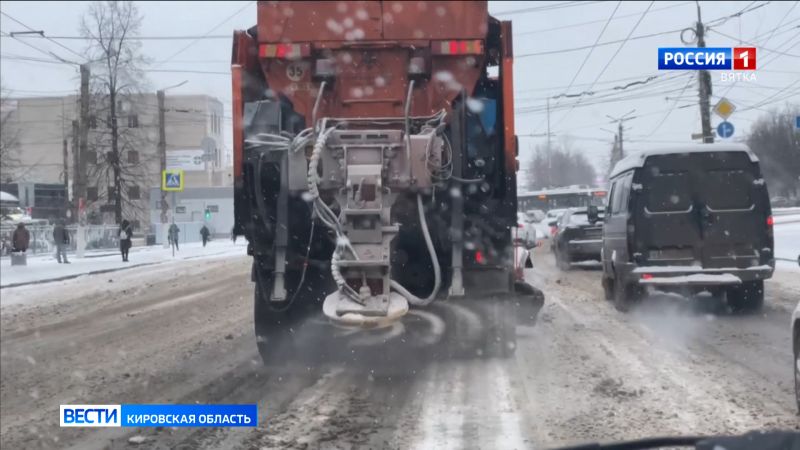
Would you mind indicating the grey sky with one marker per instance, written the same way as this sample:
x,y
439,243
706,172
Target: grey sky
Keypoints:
x,y
536,77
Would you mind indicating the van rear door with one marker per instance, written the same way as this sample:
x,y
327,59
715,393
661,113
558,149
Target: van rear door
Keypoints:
x,y
667,231
733,206
704,208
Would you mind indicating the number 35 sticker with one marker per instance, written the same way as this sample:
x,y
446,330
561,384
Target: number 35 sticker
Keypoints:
x,y
295,71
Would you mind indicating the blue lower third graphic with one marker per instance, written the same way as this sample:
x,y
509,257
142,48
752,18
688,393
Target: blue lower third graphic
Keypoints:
x,y
159,415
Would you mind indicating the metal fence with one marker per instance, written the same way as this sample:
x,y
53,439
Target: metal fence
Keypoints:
x,y
98,237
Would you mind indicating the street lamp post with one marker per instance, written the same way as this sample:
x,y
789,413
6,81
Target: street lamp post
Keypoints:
x,y
162,153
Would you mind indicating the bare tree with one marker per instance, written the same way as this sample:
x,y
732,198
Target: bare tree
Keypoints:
x,y
776,142
561,165
9,138
112,28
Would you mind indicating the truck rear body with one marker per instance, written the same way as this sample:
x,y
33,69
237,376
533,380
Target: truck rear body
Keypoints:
x,y
370,138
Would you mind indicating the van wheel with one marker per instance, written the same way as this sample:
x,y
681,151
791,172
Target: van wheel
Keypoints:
x,y
625,295
608,288
747,297
797,367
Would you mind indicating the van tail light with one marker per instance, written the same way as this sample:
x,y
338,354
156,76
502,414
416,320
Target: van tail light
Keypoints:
x,y
770,221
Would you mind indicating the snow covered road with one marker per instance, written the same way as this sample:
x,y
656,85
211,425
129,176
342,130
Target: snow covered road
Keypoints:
x,y
584,373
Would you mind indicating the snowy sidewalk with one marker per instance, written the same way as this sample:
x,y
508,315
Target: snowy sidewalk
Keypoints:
x,y
45,268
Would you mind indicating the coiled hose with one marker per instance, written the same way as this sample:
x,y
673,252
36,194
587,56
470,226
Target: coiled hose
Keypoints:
x,y
437,271
329,219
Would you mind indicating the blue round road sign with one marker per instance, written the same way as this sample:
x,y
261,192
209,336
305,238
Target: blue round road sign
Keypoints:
x,y
725,130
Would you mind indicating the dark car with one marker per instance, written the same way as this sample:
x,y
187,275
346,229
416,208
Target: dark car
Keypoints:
x,y
689,220
579,236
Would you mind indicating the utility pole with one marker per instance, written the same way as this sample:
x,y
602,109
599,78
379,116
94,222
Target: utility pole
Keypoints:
x,y
704,80
75,174
549,157
81,177
618,136
162,154
162,151
66,177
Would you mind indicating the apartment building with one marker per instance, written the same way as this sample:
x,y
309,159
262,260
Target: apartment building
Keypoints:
x,y
45,147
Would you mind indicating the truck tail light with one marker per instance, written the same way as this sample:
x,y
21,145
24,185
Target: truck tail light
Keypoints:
x,y
470,47
770,221
284,51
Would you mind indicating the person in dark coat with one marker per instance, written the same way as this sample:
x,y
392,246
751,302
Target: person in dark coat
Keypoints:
x,y
61,239
173,235
204,233
125,233
21,239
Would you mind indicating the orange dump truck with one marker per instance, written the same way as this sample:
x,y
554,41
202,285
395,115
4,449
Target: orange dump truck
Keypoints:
x,y
375,162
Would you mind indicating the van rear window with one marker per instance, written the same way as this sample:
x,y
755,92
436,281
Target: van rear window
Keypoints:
x,y
668,191
728,189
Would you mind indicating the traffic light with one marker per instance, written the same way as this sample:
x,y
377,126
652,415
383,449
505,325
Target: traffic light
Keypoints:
x,y
208,214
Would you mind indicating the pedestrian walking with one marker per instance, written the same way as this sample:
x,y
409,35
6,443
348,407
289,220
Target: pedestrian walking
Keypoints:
x,y
61,239
21,239
125,234
204,233
173,235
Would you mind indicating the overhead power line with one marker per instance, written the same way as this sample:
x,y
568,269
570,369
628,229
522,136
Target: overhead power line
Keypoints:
x,y
549,7
142,38
48,38
674,104
626,88
591,50
760,47
54,58
610,60
185,47
601,44
188,71
590,22
631,38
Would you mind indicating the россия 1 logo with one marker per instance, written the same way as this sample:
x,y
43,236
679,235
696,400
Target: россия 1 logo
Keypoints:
x,y
707,58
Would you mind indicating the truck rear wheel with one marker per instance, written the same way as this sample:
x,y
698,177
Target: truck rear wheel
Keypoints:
x,y
746,297
272,326
275,322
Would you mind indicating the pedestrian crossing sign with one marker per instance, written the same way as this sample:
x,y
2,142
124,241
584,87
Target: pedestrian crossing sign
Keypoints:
x,y
172,180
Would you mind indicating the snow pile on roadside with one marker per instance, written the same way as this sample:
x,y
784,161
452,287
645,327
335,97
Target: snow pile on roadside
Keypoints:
x,y
787,244
43,269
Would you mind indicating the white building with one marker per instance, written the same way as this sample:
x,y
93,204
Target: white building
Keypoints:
x,y
45,126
